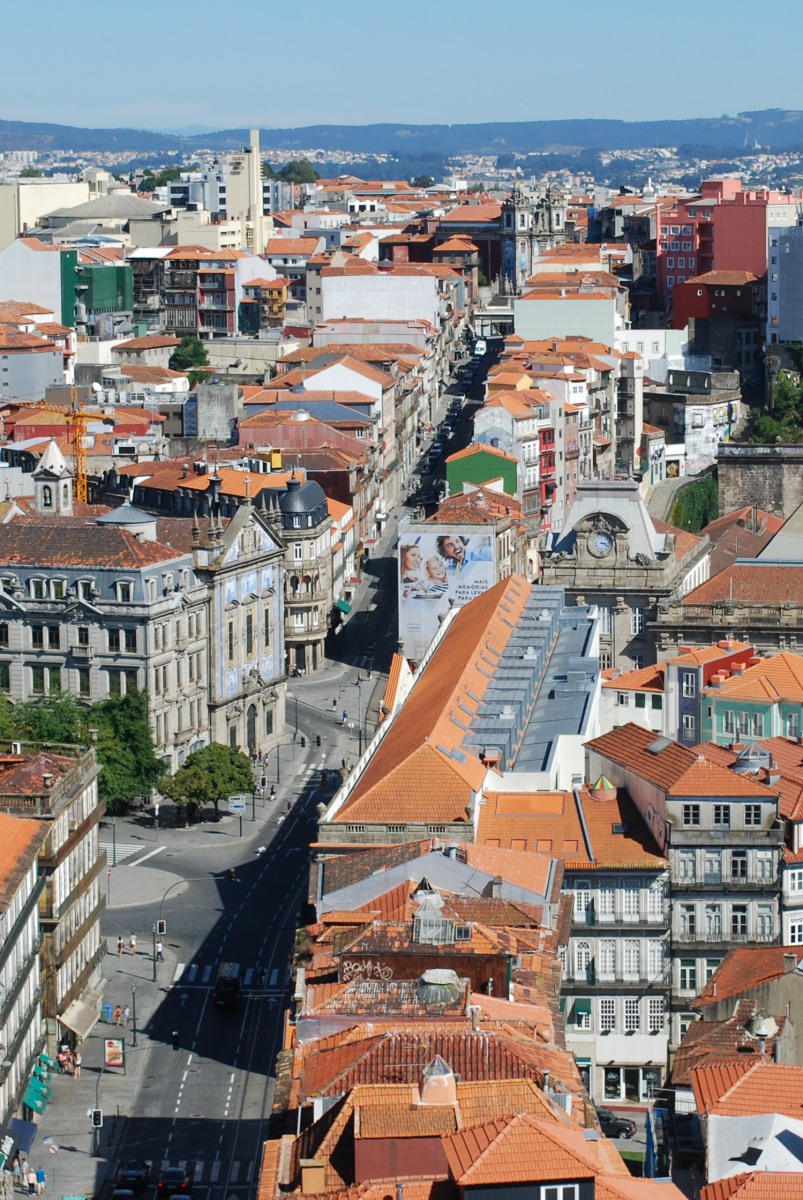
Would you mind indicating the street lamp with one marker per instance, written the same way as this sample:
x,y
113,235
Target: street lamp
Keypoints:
x,y
134,1014
359,715
294,696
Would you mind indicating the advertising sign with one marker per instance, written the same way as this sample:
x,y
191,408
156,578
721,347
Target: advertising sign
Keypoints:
x,y
114,1052
440,566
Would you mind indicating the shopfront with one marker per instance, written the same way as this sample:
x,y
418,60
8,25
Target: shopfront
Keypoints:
x,y
633,1084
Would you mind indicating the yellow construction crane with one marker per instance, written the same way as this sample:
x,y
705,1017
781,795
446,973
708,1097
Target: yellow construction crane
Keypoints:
x,y
78,426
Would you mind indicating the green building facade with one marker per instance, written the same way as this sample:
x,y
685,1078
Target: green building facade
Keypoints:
x,y
479,464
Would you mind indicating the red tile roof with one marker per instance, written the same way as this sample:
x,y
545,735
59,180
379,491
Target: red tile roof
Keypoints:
x,y
20,841
749,583
755,1185
763,1087
745,968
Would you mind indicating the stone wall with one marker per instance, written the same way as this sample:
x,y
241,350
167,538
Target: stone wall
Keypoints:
x,y
768,476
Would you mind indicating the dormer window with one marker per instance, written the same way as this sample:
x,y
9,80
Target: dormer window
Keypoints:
x,y
125,591
83,589
38,589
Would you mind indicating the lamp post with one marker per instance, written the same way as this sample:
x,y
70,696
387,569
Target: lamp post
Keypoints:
x,y
294,696
134,1014
153,930
359,716
114,841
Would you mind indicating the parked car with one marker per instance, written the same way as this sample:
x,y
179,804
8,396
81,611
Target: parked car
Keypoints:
x,y
133,1173
174,1181
614,1126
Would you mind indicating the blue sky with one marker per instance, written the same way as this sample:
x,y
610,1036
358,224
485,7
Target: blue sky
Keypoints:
x,y
166,64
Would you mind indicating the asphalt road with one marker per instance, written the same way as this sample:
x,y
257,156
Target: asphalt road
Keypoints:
x,y
206,1105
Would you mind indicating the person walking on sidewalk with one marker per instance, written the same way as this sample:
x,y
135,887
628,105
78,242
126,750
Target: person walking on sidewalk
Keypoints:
x,y
24,1172
126,1016
345,717
120,947
16,1170
41,1180
132,942
160,951
76,1065
118,1016
31,1182
334,705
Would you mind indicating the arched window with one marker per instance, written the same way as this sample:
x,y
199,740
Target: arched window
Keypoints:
x,y
47,496
582,900
582,960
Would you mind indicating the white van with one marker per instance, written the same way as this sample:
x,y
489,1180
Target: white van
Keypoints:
x,y
480,348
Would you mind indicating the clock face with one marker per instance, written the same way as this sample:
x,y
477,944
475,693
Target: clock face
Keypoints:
x,y
600,543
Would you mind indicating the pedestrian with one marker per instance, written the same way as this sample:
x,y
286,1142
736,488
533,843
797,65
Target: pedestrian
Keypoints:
x,y
15,1170
160,952
41,1180
176,1040
132,942
348,763
23,1171
345,717
118,1015
273,791
120,947
342,764
334,706
126,1016
76,1065
31,1182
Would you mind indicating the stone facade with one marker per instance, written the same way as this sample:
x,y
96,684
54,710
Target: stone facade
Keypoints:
x,y
611,554
770,477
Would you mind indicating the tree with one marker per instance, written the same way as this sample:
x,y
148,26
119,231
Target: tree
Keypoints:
x,y
30,173
300,170
209,775
58,718
188,355
696,505
130,766
423,181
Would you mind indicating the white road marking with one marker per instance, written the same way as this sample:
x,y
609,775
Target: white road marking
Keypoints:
x,y
179,971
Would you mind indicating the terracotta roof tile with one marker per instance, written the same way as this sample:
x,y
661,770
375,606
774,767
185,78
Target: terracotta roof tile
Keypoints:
x,y
728,1090
756,1185
20,841
774,583
744,968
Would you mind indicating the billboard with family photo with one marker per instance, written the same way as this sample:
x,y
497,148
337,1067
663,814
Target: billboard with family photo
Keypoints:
x,y
439,567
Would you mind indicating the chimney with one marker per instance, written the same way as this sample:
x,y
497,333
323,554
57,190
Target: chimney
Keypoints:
x,y
47,780
313,1176
496,888
438,1085
789,963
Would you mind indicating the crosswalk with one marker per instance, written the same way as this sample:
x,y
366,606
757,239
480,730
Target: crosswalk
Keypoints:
x,y
237,1170
119,852
253,978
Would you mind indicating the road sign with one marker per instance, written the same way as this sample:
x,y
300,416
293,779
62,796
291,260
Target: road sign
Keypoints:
x,y
53,1148
109,873
237,804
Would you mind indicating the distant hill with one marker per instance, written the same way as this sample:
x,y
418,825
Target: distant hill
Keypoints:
x,y
773,130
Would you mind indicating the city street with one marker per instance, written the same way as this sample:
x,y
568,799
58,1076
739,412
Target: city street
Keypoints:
x,y
206,1105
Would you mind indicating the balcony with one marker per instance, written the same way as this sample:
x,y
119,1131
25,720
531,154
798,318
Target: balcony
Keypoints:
x,y
722,937
84,653
694,883
618,979
654,917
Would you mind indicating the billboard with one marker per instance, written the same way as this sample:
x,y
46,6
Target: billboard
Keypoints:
x,y
440,566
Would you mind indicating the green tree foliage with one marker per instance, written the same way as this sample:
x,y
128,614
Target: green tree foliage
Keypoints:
x,y
300,170
210,775
152,180
125,750
781,420
696,505
189,355
30,173
423,181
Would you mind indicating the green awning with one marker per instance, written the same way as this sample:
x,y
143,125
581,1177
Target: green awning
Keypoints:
x,y
41,1072
582,1005
343,606
34,1101
40,1088
46,1060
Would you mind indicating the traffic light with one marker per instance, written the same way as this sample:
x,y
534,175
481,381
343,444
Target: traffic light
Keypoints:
x,y
317,739
175,1040
161,928
97,1118
303,741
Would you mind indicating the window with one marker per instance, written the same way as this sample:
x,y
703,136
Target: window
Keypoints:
x,y
607,1013
655,1014
738,864
793,880
607,901
689,685
582,960
656,960
641,700
722,816
249,635
630,900
623,699
713,920
691,815
752,814
231,641
582,1014
636,621
688,975
631,958
689,726
560,1191
130,641
38,589
757,725
711,965
793,725
656,702
686,865
5,677
124,592
37,637
298,552
607,959
712,867
582,900
83,635
266,632
37,679
631,1015
605,614
83,682
729,721
765,922
796,931
58,589
739,920
688,920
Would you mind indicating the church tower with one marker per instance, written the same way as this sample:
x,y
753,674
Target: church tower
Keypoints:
x,y
53,482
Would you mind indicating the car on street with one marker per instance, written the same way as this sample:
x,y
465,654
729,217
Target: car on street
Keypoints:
x,y
614,1126
174,1181
133,1173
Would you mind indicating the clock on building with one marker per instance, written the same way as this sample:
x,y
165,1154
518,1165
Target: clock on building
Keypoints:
x,y
600,543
